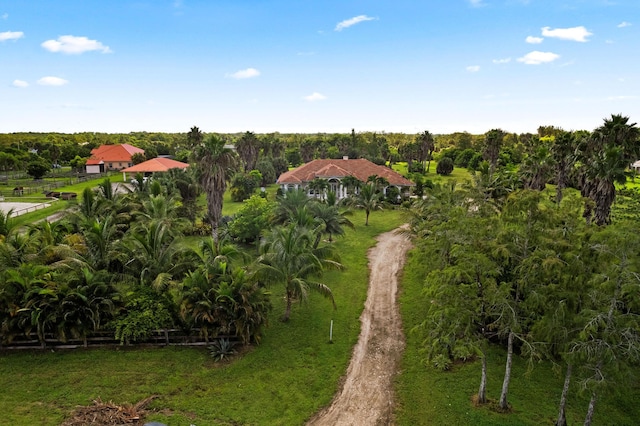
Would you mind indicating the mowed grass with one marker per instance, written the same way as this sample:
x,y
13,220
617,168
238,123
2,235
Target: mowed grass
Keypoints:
x,y
285,380
426,396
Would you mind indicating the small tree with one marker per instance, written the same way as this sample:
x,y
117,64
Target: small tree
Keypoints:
x,y
445,166
38,168
138,158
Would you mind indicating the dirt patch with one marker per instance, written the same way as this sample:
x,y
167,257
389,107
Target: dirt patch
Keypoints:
x,y
366,396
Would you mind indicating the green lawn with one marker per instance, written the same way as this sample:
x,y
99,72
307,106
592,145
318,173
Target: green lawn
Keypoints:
x,y
284,381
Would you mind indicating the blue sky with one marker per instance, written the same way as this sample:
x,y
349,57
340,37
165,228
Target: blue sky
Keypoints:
x,y
317,65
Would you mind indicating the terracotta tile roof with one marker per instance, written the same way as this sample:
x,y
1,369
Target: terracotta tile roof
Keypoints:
x,y
94,161
360,168
156,165
115,153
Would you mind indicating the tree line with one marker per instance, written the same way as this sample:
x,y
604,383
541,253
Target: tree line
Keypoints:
x,y
546,277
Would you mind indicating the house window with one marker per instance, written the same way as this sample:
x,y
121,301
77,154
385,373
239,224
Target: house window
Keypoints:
x,y
111,165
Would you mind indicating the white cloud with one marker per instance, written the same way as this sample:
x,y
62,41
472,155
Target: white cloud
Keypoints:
x,y
473,68
52,81
502,61
5,16
536,57
73,45
476,3
624,24
534,40
315,96
11,35
574,34
355,20
20,83
242,74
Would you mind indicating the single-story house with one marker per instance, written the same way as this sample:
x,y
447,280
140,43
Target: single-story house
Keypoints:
x,y
154,165
636,166
333,171
111,157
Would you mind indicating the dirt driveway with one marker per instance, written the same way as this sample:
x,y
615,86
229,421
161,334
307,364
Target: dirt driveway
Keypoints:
x,y
366,396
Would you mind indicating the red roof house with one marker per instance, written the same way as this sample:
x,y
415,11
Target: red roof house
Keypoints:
x,y
111,157
154,165
334,170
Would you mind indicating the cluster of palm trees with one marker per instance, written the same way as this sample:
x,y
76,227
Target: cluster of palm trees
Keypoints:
x,y
121,262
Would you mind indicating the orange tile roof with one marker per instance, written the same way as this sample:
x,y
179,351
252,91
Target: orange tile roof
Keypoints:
x,y
115,153
156,165
326,169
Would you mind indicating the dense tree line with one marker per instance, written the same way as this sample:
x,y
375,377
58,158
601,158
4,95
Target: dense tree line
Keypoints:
x,y
541,275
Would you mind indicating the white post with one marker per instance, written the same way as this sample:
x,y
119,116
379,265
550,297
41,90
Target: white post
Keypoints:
x,y
331,333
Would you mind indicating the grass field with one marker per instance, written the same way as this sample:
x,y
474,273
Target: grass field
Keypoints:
x,y
285,380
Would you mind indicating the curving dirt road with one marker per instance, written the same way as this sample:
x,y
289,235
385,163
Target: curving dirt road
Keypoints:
x,y
366,396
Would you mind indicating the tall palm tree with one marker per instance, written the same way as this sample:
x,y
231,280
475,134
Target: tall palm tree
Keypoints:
x,y
289,258
216,166
605,156
248,148
425,146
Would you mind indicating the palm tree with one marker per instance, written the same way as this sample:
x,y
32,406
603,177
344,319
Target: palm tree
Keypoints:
x,y
289,205
216,166
367,199
537,167
318,187
605,157
330,219
289,258
425,146
248,147
6,223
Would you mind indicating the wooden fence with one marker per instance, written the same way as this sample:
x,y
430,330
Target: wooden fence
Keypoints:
x,y
168,337
18,188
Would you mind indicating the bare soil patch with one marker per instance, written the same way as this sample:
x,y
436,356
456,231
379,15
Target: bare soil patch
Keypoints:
x,y
366,396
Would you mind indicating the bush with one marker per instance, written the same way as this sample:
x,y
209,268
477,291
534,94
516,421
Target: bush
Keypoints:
x,y
251,219
445,166
144,314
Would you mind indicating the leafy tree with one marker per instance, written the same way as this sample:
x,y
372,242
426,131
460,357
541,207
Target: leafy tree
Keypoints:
x,y
38,168
288,257
492,143
267,171
445,166
138,158
562,150
243,185
251,220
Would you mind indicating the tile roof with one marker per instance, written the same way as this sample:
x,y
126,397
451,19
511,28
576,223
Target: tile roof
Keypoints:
x,y
114,153
326,169
156,165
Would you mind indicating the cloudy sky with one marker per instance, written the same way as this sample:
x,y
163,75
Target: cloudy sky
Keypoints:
x,y
317,65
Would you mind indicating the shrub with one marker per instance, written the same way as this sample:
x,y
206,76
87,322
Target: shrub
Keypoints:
x,y
445,166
